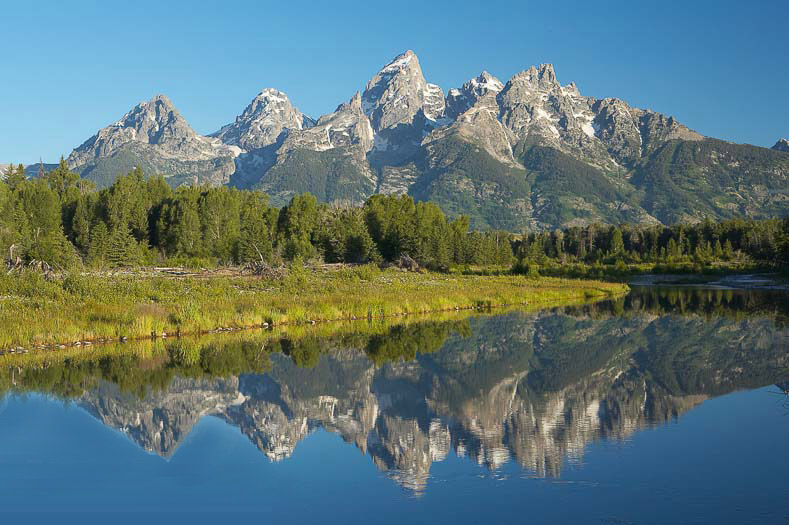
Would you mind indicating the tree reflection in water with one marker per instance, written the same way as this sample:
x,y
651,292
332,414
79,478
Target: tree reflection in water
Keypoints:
x,y
531,388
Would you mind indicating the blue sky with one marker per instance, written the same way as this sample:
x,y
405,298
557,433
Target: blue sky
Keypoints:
x,y
72,67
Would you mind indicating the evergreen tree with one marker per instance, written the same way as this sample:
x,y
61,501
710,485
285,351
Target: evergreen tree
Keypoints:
x,y
220,222
15,176
255,237
126,204
122,248
616,245
728,251
99,245
182,225
296,225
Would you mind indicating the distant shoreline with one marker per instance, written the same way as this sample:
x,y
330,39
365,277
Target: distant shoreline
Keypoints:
x,y
751,281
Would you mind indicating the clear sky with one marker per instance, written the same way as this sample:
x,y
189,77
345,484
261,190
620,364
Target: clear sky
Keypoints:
x,y
72,67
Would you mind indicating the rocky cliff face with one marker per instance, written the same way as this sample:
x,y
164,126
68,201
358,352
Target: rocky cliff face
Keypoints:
x,y
528,153
327,159
396,94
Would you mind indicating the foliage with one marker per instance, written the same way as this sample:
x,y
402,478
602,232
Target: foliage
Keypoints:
x,y
697,246
62,220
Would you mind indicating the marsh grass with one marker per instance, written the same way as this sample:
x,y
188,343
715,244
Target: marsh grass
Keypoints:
x,y
83,307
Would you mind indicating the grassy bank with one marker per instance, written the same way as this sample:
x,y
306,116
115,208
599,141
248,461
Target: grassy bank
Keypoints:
x,y
83,307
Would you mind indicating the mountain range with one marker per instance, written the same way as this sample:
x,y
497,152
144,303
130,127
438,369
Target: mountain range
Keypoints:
x,y
528,153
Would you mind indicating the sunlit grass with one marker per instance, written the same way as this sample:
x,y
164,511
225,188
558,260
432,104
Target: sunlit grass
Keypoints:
x,y
35,311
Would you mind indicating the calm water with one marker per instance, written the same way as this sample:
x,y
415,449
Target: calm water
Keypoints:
x,y
665,407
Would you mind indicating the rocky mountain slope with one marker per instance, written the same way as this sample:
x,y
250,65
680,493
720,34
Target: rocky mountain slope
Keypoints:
x,y
154,136
525,153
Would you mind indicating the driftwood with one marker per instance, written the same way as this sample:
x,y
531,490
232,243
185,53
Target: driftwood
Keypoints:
x,y
16,264
264,270
407,263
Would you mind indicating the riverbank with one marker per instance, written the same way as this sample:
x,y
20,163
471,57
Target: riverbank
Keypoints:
x,y
77,308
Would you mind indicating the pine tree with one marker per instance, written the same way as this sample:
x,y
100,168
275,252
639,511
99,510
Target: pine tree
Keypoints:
x,y
16,176
99,246
122,248
80,224
717,250
185,236
255,239
728,251
672,249
617,245
296,224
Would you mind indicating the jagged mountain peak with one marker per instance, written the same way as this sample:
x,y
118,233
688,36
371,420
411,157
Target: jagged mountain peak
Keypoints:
x,y
155,117
155,122
154,135
160,100
460,100
402,61
271,92
466,151
269,96
483,84
782,145
355,103
396,93
541,77
265,119
571,89
347,126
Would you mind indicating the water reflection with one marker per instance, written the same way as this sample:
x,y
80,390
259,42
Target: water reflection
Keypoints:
x,y
534,389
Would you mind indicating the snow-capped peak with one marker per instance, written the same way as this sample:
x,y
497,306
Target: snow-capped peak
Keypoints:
x,y
485,83
273,95
400,62
262,121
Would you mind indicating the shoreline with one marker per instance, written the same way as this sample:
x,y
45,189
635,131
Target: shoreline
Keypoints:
x,y
81,311
308,329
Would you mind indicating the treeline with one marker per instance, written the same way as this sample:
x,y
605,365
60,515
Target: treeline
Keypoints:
x,y
62,220
699,244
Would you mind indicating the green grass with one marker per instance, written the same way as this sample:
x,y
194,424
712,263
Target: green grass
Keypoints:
x,y
94,307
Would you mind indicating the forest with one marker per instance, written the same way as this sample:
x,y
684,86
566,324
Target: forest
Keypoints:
x,y
60,219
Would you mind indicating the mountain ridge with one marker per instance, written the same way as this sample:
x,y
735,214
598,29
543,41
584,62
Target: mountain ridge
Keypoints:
x,y
511,155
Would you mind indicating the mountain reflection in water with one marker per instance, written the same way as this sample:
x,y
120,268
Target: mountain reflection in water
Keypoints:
x,y
534,389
